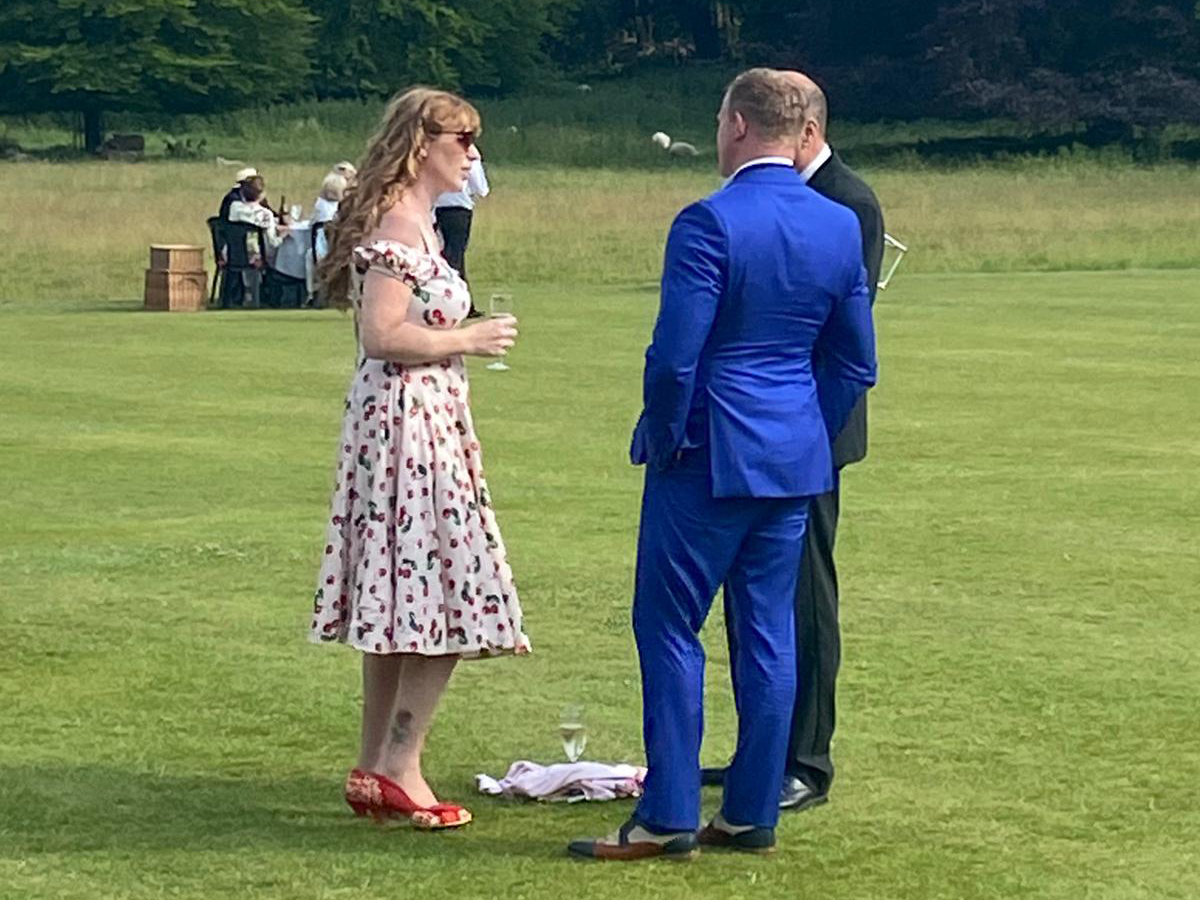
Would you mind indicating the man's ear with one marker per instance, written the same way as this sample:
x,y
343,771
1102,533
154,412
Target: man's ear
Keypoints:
x,y
808,134
740,127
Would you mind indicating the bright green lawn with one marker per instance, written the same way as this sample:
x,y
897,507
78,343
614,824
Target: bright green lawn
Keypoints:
x,y
1019,562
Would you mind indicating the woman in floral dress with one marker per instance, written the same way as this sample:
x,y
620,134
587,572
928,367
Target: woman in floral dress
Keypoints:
x,y
414,572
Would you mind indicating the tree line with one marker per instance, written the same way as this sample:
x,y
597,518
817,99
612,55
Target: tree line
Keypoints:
x,y
1113,65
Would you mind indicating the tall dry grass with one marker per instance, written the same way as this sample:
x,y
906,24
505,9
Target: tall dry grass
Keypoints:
x,y
80,231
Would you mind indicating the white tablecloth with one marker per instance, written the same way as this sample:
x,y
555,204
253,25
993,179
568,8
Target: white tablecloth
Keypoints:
x,y
294,256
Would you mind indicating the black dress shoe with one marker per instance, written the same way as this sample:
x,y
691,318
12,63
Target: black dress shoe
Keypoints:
x,y
750,840
797,795
713,775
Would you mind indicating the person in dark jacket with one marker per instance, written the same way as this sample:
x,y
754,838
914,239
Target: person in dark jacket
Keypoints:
x,y
809,770
235,193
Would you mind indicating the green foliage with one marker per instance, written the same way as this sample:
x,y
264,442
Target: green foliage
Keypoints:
x,y
510,55
369,47
608,126
1114,65
178,54
1056,64
376,47
183,55
1108,62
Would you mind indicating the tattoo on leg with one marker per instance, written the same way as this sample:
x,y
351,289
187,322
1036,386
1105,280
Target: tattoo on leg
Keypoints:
x,y
402,728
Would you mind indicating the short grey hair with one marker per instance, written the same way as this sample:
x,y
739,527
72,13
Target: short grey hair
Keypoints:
x,y
769,101
818,106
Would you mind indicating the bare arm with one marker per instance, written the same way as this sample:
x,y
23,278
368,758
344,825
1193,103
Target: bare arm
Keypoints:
x,y
386,333
383,323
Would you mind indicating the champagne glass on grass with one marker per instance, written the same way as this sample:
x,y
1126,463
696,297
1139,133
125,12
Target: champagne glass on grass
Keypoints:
x,y
500,304
573,732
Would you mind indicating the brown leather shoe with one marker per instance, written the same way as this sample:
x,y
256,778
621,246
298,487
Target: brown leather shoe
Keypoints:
x,y
750,840
633,841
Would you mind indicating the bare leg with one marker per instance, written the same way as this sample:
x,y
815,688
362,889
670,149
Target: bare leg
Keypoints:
x,y
422,682
381,681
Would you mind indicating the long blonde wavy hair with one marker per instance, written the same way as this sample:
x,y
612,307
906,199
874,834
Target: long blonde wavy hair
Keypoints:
x,y
389,167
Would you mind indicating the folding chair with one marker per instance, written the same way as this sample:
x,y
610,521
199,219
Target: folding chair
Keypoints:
x,y
318,234
238,262
218,246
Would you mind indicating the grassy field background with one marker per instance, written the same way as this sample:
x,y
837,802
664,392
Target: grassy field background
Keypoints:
x,y
81,232
607,123
1018,553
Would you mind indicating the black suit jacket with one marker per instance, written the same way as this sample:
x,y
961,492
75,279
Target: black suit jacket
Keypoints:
x,y
235,193
838,182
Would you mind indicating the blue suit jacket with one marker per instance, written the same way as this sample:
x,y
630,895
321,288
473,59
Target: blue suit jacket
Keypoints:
x,y
764,339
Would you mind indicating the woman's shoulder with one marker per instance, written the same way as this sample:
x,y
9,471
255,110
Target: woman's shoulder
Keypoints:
x,y
395,257
397,247
398,225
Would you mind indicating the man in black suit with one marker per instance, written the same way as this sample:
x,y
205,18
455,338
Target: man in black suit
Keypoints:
x,y
818,641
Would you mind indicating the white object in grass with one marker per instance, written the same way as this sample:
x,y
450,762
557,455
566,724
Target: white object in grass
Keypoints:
x,y
675,148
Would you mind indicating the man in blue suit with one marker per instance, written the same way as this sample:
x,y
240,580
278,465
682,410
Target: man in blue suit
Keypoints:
x,y
762,347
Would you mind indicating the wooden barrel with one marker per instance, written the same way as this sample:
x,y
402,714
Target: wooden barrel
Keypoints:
x,y
176,280
176,291
176,257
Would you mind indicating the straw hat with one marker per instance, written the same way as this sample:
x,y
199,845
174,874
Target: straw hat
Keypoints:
x,y
245,174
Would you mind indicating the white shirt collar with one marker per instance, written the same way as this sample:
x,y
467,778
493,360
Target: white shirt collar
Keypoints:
x,y
811,169
762,161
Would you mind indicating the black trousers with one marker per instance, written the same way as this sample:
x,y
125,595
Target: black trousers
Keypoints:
x,y
281,291
239,286
454,223
818,648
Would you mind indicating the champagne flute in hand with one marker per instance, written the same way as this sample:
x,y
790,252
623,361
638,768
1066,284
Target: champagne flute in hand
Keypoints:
x,y
500,304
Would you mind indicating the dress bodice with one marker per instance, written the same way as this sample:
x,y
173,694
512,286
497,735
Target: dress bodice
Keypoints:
x,y
440,298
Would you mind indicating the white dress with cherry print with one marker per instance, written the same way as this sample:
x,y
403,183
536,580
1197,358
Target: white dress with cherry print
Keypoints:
x,y
413,559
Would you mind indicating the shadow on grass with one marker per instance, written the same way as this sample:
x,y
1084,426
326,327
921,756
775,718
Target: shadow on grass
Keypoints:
x,y
69,307
307,315
96,808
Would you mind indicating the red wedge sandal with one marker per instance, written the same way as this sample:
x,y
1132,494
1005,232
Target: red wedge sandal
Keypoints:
x,y
370,794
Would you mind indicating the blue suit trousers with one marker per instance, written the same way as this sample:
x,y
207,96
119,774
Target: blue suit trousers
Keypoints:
x,y
689,544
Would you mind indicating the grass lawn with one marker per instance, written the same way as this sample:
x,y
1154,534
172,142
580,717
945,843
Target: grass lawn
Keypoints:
x,y
1018,698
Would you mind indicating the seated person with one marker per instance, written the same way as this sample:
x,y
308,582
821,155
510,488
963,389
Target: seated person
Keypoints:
x,y
235,193
346,169
251,211
333,188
